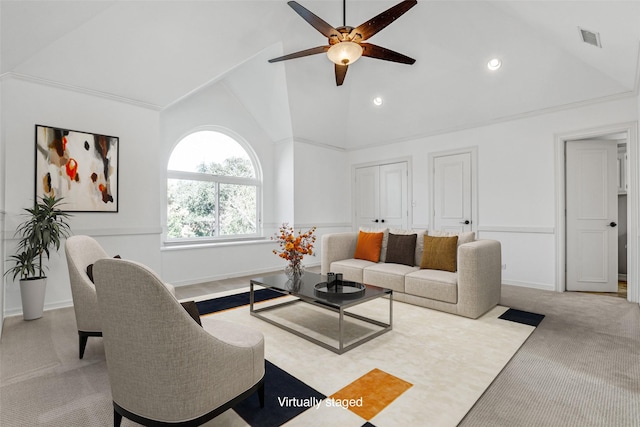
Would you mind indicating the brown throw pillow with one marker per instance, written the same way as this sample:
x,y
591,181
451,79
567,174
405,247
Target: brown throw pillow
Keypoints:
x,y
401,249
90,269
368,246
440,253
192,309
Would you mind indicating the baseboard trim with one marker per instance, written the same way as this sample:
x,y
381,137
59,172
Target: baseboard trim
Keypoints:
x,y
47,307
541,286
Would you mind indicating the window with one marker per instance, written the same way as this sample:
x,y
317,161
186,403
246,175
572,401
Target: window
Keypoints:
x,y
212,189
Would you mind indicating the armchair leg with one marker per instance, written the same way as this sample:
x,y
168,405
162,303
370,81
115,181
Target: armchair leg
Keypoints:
x,y
261,395
117,419
83,343
82,340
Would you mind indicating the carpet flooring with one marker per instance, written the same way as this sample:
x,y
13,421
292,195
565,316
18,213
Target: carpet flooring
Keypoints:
x,y
580,367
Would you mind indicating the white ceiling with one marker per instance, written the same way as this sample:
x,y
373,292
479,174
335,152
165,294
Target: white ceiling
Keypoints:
x,y
156,52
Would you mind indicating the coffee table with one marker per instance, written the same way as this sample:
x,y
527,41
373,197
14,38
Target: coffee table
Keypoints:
x,y
305,291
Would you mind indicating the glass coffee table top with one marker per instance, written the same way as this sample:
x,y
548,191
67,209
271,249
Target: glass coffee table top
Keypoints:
x,y
313,286
312,289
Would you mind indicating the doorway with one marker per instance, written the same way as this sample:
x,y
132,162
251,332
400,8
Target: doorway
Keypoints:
x,y
628,133
453,189
592,215
381,196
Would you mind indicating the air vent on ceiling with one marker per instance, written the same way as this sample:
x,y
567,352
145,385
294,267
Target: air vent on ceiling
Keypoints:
x,y
590,37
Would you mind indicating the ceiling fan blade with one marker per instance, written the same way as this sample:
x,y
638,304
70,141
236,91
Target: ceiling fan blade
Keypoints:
x,y
377,23
300,54
316,22
378,52
341,72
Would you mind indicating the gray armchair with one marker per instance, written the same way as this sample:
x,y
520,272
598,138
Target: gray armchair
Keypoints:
x,y
165,369
83,251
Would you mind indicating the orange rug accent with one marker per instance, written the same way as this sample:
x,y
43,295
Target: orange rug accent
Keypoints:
x,y
371,393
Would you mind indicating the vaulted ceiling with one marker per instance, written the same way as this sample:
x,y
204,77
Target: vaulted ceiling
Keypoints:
x,y
154,53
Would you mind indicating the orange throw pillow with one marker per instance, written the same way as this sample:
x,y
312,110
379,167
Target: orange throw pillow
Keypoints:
x,y
368,246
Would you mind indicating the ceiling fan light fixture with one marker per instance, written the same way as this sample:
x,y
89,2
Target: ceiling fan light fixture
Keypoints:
x,y
344,53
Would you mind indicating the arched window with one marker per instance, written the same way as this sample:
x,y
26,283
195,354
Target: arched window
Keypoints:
x,y
213,188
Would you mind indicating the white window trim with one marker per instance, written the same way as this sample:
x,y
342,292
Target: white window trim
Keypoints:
x,y
218,179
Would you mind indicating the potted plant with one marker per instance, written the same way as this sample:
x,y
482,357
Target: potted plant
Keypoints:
x,y
42,230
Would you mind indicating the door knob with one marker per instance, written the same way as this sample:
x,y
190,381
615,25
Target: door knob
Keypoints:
x,y
374,220
466,222
612,224
382,220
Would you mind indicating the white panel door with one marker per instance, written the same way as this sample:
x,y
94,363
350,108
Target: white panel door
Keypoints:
x,y
452,193
381,197
592,215
367,197
394,206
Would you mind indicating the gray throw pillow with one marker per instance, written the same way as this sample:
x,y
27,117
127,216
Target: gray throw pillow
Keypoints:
x,y
401,249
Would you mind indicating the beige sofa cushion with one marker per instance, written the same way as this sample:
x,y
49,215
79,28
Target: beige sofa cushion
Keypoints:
x,y
433,284
391,276
351,269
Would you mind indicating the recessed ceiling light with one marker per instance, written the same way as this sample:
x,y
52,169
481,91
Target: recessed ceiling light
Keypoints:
x,y
494,64
377,101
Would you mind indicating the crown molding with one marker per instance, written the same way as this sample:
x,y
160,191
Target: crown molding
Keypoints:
x,y
502,119
79,89
318,144
484,123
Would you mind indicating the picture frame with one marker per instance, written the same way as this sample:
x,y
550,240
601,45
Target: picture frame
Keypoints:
x,y
80,167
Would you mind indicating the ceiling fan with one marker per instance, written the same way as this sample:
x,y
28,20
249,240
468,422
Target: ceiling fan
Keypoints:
x,y
346,43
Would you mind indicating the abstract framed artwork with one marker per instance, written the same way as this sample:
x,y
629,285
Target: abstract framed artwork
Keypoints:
x,y
80,167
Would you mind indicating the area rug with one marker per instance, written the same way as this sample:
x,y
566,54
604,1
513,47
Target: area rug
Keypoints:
x,y
235,300
429,370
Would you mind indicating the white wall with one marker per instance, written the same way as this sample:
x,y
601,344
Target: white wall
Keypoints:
x,y
516,181
133,232
2,209
146,140
321,186
284,210
322,181
216,106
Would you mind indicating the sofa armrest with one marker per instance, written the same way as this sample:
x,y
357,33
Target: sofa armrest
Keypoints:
x,y
336,247
479,277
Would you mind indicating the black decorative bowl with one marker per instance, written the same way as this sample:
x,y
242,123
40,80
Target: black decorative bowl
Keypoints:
x,y
339,289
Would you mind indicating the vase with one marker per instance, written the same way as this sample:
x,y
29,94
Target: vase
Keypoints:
x,y
294,271
32,293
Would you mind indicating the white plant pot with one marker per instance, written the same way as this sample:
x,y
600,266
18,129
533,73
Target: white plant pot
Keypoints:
x,y
32,293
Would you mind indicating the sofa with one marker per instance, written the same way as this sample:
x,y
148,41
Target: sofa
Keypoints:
x,y
465,279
